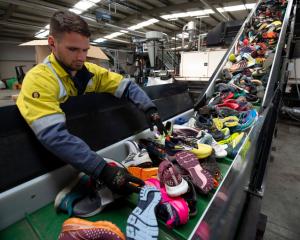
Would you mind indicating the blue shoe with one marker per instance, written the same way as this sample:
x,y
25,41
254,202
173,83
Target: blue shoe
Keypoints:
x,y
75,191
142,223
246,121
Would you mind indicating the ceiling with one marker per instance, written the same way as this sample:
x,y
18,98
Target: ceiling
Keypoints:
x,y
20,20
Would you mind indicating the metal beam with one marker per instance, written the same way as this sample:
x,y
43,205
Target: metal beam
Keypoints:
x,y
228,13
221,15
9,12
20,25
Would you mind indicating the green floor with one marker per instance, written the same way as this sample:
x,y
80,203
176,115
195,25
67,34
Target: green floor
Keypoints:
x,y
46,224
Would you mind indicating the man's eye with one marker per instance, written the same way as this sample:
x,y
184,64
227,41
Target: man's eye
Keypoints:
x,y
85,50
72,49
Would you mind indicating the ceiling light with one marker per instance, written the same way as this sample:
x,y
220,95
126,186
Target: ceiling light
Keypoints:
x,y
83,5
42,33
188,14
113,35
99,40
143,24
250,5
204,12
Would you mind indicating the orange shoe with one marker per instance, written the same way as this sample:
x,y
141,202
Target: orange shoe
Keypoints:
x,y
143,173
76,228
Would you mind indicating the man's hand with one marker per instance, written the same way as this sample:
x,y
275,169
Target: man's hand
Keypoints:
x,y
119,180
153,119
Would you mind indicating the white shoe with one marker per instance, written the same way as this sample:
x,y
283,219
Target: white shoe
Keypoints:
x,y
136,156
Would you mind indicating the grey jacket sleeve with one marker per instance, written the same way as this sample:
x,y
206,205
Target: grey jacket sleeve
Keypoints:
x,y
131,91
70,149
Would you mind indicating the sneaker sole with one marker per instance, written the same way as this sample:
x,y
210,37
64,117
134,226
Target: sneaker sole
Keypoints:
x,y
200,177
142,223
61,195
73,224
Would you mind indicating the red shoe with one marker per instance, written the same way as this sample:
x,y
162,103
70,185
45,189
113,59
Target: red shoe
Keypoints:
x,y
76,228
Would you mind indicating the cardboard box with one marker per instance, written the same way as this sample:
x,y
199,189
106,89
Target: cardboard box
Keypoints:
x,y
95,54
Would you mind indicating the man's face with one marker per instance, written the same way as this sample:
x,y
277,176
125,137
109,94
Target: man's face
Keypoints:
x,y
70,49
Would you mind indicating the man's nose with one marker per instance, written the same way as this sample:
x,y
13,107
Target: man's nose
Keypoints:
x,y
81,56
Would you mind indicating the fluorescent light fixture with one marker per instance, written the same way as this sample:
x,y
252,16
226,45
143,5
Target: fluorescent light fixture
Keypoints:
x,y
113,35
188,14
134,27
204,12
42,33
143,24
99,40
83,5
77,11
47,26
250,5
95,1
236,7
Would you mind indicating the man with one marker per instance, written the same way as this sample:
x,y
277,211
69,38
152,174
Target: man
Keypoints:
x,y
65,73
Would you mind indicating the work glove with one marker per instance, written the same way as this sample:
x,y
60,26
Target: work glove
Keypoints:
x,y
119,180
153,119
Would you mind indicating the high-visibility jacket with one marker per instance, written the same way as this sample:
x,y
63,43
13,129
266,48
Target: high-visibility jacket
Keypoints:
x,y
47,85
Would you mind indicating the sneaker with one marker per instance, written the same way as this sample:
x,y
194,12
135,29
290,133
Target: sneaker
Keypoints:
x,y
137,157
174,183
235,145
202,151
143,173
229,140
142,223
75,191
76,228
226,132
173,211
200,177
206,138
247,120
94,203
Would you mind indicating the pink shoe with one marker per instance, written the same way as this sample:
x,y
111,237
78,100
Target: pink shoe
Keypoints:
x,y
174,211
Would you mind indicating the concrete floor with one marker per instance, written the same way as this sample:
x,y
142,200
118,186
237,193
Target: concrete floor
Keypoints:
x,y
281,202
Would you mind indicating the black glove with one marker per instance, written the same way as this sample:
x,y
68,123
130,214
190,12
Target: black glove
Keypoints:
x,y
153,119
119,180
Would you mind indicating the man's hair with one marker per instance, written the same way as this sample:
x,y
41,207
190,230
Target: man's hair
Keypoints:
x,y
66,21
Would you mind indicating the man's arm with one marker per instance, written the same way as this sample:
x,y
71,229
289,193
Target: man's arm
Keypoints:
x,y
120,87
39,105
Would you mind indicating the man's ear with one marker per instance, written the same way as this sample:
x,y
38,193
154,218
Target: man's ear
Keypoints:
x,y
51,42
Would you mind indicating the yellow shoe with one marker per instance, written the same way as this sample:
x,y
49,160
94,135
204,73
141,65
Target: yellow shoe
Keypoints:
x,y
218,123
237,139
226,132
203,151
230,139
230,121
